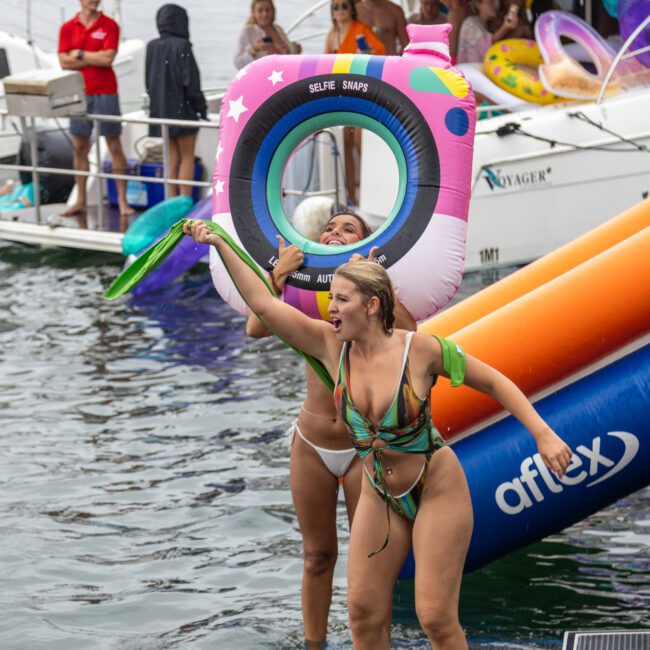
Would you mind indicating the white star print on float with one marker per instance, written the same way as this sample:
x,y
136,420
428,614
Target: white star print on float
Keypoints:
x,y
241,73
219,151
276,77
236,108
219,188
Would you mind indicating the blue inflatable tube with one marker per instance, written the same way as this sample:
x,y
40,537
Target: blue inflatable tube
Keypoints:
x,y
153,223
517,501
182,258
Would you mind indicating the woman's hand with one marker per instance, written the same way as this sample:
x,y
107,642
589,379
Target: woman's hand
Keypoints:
x,y
290,259
360,258
199,231
511,20
555,453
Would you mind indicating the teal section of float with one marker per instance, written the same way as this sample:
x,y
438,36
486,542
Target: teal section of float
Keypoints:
x,y
153,223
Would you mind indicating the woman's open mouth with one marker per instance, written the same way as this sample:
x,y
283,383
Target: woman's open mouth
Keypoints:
x,y
336,324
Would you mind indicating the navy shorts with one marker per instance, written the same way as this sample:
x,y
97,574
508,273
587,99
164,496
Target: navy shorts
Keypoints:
x,y
98,105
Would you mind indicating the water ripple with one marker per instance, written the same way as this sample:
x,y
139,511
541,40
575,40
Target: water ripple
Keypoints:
x,y
144,486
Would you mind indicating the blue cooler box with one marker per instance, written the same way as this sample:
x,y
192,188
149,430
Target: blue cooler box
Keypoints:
x,y
145,195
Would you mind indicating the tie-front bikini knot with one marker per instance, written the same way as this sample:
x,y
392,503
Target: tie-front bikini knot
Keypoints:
x,y
378,443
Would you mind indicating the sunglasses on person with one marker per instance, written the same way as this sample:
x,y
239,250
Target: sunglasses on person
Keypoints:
x,y
340,5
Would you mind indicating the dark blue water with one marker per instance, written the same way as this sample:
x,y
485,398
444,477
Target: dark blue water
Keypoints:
x,y
144,492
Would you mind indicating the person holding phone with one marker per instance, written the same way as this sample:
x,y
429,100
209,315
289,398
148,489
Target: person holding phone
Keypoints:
x,y
262,35
509,10
476,36
387,21
348,34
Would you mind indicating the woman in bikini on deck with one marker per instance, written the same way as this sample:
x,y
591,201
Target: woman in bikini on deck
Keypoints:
x,y
416,492
322,457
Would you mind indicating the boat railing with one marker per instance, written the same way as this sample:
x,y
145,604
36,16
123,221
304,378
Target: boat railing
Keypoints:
x,y
623,55
307,14
29,130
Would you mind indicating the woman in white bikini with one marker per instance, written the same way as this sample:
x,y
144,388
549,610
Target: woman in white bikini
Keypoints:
x,y
322,457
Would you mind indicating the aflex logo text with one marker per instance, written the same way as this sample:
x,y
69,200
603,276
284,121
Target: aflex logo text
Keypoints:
x,y
514,496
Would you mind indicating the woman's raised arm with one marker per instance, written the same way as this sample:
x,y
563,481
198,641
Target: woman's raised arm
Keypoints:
x,y
306,334
290,258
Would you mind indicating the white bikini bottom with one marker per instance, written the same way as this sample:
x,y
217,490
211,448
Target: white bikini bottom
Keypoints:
x,y
337,461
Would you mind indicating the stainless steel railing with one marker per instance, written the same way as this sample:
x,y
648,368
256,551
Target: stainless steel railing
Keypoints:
x,y
623,55
29,130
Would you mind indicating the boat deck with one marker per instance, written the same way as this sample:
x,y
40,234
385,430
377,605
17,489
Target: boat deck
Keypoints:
x,y
22,226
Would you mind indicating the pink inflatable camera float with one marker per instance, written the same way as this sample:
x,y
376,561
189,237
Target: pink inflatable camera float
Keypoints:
x,y
417,103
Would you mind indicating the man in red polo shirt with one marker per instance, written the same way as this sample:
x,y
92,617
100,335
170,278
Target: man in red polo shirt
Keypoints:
x,y
89,43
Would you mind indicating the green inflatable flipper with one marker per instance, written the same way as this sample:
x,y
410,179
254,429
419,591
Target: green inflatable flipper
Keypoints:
x,y
155,255
146,263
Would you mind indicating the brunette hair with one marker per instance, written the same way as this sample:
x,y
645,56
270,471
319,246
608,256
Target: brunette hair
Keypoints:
x,y
372,280
366,228
353,7
251,20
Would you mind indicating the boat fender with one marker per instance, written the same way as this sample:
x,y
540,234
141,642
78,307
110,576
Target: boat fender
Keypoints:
x,y
417,103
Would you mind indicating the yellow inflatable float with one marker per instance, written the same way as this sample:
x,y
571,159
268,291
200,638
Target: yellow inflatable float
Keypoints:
x,y
512,64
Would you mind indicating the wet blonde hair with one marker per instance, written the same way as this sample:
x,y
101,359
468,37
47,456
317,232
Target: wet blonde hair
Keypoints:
x,y
251,19
372,280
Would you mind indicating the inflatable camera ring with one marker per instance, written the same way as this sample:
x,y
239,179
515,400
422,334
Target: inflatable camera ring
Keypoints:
x,y
422,108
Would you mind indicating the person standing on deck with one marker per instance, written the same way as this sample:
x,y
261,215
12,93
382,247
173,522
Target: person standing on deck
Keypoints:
x,y
173,83
89,43
387,21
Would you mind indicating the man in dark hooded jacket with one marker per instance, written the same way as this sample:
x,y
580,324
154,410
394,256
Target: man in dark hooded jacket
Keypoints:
x,y
173,83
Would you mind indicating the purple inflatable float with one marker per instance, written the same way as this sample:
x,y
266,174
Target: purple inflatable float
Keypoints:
x,y
183,257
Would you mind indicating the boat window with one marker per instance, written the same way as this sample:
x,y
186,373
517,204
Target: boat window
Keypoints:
x,y
4,64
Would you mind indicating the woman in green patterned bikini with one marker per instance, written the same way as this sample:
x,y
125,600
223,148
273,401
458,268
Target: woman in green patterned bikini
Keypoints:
x,y
322,457
416,492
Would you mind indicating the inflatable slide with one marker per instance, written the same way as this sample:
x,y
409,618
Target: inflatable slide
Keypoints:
x,y
573,331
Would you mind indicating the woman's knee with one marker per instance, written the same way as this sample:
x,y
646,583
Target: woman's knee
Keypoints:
x,y
438,621
364,615
319,562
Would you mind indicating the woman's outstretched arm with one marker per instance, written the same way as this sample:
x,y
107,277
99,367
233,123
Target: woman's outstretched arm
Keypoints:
x,y
555,453
480,376
306,334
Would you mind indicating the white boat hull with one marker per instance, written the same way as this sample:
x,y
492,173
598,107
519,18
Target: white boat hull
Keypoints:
x,y
529,197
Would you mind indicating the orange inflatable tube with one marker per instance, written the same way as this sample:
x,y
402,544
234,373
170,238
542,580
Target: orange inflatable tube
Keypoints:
x,y
554,330
539,272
